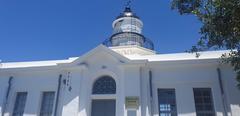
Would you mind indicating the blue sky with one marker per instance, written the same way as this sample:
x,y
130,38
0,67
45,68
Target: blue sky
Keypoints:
x,y
58,29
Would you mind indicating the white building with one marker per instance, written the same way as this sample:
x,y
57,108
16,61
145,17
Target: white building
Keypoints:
x,y
123,77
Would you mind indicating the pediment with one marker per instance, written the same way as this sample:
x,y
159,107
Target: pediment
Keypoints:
x,y
99,54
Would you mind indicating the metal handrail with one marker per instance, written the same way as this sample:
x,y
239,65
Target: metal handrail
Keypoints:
x,y
146,43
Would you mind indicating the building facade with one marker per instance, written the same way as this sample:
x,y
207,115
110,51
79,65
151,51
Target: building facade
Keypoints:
x,y
122,77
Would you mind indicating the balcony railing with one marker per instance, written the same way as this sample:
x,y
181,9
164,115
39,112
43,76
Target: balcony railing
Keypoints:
x,y
128,38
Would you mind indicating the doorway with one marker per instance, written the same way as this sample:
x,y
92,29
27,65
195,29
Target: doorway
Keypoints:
x,y
103,102
106,107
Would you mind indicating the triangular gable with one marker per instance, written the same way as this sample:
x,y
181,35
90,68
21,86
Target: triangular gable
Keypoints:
x,y
97,50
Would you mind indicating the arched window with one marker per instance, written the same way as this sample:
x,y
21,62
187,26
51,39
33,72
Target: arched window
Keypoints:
x,y
104,85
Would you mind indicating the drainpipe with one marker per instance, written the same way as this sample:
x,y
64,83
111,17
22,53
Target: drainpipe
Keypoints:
x,y
222,91
58,94
7,95
151,91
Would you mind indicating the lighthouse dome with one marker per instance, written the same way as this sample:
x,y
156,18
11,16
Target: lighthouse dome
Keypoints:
x,y
127,31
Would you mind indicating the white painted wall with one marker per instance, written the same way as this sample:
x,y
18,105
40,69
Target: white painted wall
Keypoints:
x,y
32,82
184,79
131,80
231,92
3,90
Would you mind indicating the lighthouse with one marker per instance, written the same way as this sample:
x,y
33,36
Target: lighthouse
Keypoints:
x,y
127,37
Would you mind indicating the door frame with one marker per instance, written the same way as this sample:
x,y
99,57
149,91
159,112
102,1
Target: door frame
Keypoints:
x,y
103,97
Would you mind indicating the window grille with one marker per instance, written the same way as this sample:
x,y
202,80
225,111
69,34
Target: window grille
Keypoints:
x,y
47,104
104,85
167,102
203,102
19,105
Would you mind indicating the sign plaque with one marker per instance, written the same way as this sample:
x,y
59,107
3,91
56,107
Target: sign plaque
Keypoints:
x,y
131,102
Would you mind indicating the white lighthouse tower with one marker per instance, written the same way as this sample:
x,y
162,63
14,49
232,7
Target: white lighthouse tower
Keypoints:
x,y
127,38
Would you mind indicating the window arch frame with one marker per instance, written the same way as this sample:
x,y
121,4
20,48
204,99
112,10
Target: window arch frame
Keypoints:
x,y
102,86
